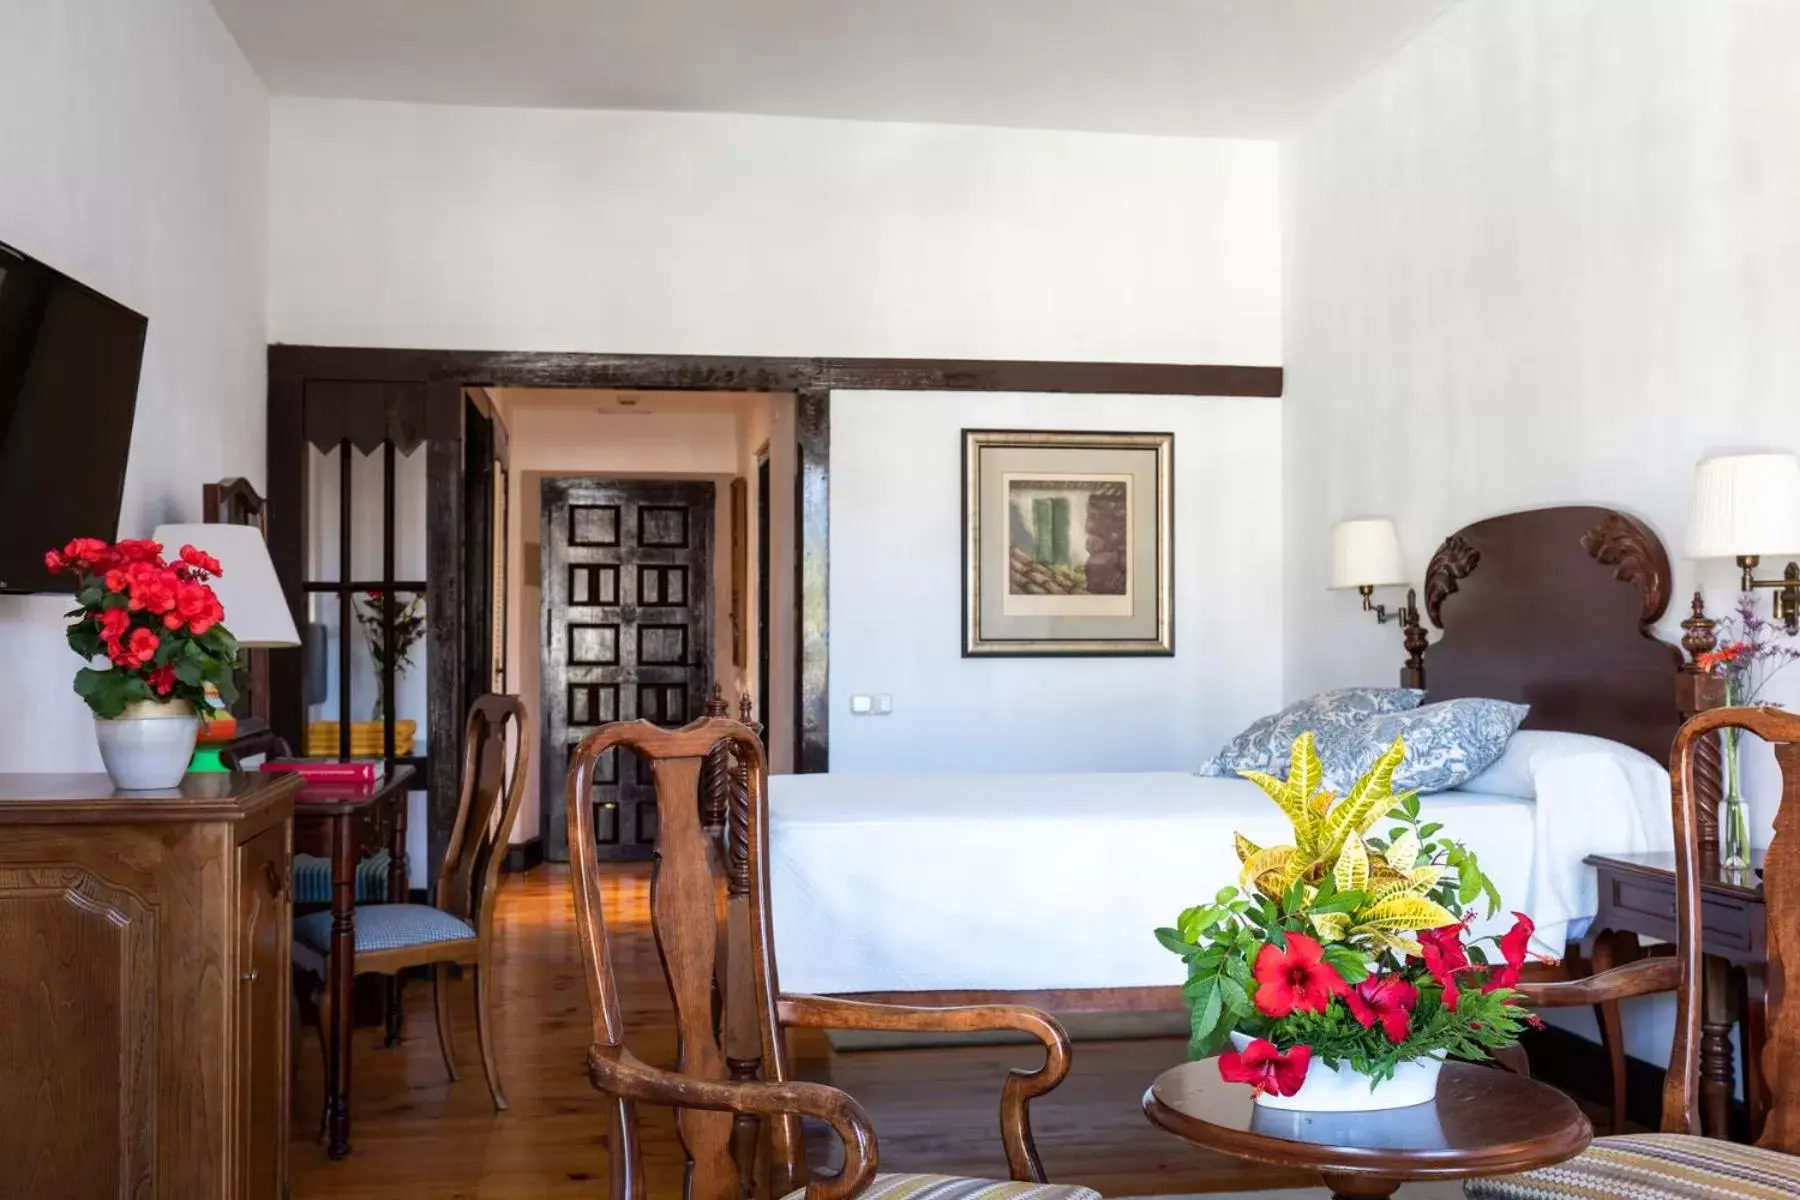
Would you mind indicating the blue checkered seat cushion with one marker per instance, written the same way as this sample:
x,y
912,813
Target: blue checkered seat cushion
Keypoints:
x,y
385,927
312,879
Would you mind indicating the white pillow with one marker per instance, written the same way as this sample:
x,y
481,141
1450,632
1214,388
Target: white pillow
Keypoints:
x,y
1514,773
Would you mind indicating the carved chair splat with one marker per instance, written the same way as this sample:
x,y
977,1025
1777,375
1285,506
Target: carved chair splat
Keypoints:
x,y
710,1083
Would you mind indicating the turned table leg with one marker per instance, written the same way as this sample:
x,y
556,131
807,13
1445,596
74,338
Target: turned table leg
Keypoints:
x,y
1716,1069
1359,1187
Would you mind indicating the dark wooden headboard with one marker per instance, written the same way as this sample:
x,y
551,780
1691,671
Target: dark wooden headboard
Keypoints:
x,y
1554,608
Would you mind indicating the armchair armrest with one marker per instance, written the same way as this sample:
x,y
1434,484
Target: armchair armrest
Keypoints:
x,y
831,1012
1645,977
621,1075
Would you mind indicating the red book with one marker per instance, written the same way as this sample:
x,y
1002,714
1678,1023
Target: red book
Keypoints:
x,y
324,770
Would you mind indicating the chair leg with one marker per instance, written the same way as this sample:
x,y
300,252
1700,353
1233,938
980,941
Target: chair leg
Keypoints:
x,y
484,1033
440,996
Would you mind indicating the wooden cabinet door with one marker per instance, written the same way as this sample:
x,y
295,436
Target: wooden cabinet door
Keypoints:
x,y
627,635
264,931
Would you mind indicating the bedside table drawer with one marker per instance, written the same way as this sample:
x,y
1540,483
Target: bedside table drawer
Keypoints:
x,y
1729,927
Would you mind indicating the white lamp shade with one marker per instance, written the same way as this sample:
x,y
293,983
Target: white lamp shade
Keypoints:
x,y
255,610
1745,504
1366,553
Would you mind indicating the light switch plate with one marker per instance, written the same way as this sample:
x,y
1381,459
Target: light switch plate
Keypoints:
x,y
862,706
884,704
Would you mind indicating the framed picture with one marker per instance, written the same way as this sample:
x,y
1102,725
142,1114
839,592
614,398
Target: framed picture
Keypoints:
x,y
1068,543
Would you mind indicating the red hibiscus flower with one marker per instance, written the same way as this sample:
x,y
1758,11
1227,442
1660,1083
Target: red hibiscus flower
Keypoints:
x,y
200,560
1389,1000
1444,952
1515,945
162,680
1295,979
1266,1068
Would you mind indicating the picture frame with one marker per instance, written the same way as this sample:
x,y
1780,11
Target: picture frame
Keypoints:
x,y
1068,543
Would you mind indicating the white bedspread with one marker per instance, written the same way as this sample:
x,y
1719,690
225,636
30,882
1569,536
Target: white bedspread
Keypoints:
x,y
1003,882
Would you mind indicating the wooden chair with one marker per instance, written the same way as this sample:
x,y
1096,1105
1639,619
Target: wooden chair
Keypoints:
x,y
1677,1164
697,956
456,930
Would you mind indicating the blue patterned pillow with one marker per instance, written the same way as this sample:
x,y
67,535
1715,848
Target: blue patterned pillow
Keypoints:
x,y
1265,745
1446,743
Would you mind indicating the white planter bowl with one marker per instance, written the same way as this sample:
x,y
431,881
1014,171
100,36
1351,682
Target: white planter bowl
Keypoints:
x,y
149,746
1340,1089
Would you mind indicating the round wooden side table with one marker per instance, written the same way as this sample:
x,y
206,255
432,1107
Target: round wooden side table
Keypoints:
x,y
1484,1121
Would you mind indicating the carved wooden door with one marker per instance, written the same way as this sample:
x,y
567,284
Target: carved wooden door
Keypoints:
x,y
627,634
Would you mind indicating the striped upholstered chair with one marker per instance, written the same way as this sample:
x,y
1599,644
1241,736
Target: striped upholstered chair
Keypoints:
x,y
1676,1163
742,1068
457,930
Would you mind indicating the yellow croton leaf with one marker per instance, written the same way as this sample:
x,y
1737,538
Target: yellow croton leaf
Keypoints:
x,y
1270,860
1244,846
1331,926
1352,871
1367,802
1385,939
1404,913
1423,879
1292,806
1404,852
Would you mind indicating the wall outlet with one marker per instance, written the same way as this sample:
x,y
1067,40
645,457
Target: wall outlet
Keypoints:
x,y
884,704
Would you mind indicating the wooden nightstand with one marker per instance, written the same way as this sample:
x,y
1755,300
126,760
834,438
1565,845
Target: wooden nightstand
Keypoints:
x,y
1637,899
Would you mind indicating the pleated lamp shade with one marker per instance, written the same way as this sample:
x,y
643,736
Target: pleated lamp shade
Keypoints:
x,y
256,612
1745,504
1366,553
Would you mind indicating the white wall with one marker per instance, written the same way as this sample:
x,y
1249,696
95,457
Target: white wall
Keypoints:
x,y
134,157
896,593
1548,254
418,225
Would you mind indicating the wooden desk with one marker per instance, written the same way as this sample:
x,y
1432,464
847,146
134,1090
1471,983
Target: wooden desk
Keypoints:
x,y
343,822
144,987
1637,899
1484,1121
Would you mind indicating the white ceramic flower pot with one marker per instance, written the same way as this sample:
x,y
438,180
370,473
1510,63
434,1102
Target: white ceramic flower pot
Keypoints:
x,y
1341,1089
149,745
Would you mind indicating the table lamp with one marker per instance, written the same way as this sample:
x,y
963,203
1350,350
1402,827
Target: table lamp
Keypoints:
x,y
1746,506
256,611
1365,555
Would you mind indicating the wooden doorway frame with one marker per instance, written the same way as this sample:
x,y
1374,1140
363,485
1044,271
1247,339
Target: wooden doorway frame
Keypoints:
x,y
438,378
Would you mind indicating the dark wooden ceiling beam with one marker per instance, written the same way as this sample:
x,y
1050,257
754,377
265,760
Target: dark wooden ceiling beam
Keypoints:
x,y
651,372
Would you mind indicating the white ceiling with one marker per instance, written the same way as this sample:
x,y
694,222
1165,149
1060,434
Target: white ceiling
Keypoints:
x,y
1226,68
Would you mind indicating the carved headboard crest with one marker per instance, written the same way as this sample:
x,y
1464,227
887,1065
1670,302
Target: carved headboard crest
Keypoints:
x,y
1545,621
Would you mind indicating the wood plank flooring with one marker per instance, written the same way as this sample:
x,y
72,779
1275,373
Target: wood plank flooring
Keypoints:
x,y
417,1135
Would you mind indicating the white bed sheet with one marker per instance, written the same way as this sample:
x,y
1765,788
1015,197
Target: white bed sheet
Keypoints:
x,y
1025,882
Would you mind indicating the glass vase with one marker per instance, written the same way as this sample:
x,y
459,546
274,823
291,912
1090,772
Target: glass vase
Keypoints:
x,y
1734,814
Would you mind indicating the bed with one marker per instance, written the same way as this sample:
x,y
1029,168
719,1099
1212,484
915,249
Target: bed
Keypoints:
x,y
1043,895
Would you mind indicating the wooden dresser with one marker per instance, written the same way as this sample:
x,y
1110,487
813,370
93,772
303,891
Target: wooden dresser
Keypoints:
x,y
144,987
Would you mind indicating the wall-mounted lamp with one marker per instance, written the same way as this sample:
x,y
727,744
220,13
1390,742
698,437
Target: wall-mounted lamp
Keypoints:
x,y
1746,506
1365,555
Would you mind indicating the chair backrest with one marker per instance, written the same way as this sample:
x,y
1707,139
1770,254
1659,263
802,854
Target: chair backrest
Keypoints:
x,y
1781,898
685,914
493,786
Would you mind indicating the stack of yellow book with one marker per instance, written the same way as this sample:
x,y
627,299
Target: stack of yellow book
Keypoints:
x,y
365,738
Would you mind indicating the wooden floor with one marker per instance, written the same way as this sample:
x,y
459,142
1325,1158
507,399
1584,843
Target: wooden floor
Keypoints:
x,y
417,1135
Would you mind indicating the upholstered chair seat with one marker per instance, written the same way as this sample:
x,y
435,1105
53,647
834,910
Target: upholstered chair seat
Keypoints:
x,y
1653,1166
386,927
944,1187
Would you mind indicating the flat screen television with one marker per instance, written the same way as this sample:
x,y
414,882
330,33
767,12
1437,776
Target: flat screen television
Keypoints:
x,y
69,361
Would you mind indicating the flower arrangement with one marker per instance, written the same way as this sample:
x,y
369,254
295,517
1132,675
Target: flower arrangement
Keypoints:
x,y
1343,948
157,623
1751,651
409,627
